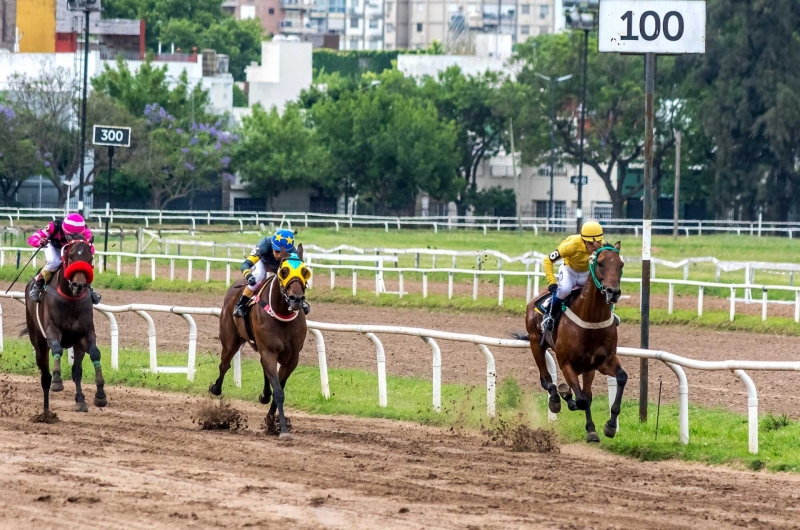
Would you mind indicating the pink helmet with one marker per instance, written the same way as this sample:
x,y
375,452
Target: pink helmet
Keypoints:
x,y
74,224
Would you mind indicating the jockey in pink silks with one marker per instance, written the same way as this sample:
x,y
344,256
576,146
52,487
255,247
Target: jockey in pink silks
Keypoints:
x,y
53,238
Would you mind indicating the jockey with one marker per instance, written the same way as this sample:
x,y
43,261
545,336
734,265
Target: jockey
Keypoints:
x,y
264,260
575,251
53,238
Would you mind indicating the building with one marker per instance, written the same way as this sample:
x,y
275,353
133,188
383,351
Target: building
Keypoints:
x,y
268,12
284,72
490,53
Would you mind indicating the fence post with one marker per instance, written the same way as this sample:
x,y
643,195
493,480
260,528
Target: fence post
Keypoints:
x,y
450,286
500,291
381,357
119,264
752,410
671,296
491,376
475,288
208,271
424,285
189,275
733,303
355,282
437,373
323,363
764,305
153,269
700,301
401,283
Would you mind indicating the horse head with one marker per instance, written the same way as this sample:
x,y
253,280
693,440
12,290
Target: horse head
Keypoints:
x,y
78,268
606,268
293,276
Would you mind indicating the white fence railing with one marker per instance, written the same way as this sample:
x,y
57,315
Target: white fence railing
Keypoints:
x,y
307,219
674,362
380,271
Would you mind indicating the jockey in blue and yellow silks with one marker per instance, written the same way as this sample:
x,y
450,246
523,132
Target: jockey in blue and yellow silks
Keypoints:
x,y
573,273
265,258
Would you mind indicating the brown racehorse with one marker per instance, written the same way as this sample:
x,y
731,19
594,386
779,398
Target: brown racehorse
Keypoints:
x,y
65,319
585,341
275,327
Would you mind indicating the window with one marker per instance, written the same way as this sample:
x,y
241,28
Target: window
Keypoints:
x,y
354,22
602,210
559,209
544,30
525,30
389,28
526,9
472,8
420,7
373,24
419,27
544,11
389,47
353,44
389,7
271,11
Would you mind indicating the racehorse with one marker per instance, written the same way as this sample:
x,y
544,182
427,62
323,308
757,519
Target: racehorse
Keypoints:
x,y
275,327
584,341
65,319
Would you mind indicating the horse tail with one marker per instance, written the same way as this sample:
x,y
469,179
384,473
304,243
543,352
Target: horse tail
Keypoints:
x,y
521,336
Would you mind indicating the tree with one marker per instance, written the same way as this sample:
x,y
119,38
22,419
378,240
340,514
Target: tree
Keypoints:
x,y
472,104
46,106
614,109
387,144
174,162
134,91
18,160
277,152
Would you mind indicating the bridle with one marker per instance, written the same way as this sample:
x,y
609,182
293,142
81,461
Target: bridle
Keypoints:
x,y
66,262
593,264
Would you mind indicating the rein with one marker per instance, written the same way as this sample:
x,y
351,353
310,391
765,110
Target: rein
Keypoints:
x,y
592,266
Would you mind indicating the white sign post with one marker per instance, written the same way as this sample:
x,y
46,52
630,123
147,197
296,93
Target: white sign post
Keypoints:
x,y
650,27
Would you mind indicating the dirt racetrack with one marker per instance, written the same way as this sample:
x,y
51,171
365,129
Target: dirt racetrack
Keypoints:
x,y
142,463
462,363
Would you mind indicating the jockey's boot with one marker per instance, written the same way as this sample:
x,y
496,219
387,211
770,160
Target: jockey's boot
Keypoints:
x,y
306,307
95,296
553,311
37,289
241,306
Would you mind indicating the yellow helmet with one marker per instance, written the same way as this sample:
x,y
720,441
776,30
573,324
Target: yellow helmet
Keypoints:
x,y
592,231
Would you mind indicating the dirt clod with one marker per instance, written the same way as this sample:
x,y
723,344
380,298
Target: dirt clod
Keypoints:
x,y
520,438
218,414
45,417
8,405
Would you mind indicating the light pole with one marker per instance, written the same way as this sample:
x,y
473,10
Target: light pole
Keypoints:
x,y
582,15
87,6
552,83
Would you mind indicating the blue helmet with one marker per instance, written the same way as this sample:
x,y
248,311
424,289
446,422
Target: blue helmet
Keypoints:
x,y
283,241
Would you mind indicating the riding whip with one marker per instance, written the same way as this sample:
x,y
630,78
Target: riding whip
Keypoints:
x,y
23,269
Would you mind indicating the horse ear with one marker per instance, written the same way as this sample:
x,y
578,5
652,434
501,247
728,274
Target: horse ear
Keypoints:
x,y
300,251
618,245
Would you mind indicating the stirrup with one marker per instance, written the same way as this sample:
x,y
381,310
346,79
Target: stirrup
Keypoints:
x,y
547,322
96,297
36,294
306,308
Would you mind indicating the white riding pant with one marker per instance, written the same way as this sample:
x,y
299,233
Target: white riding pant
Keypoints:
x,y
259,271
568,280
53,256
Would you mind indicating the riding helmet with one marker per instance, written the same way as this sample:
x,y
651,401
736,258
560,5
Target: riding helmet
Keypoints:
x,y
73,223
592,231
283,241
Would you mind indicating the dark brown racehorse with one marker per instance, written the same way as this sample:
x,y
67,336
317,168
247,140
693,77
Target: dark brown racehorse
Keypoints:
x,y
585,341
65,319
275,327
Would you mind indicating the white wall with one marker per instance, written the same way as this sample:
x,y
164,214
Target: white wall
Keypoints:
x,y
284,72
431,65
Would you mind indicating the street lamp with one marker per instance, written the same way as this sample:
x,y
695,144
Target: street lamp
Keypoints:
x,y
87,6
582,15
188,88
552,83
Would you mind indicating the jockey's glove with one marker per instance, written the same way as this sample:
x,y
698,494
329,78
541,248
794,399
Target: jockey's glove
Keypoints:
x,y
251,280
553,287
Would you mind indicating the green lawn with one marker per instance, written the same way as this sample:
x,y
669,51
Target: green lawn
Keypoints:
x,y
716,436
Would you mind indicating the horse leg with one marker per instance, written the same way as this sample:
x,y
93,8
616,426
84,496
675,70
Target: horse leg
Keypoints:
x,y
231,344
43,362
100,399
57,384
612,367
270,363
580,403
283,376
591,433
266,395
554,403
77,376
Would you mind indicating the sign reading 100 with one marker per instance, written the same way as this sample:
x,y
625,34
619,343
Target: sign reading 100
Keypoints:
x,y
652,26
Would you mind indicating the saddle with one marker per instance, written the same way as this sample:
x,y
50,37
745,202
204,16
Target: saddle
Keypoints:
x,y
542,305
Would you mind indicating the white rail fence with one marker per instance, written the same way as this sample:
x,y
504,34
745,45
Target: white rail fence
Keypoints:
x,y
673,362
379,271
485,223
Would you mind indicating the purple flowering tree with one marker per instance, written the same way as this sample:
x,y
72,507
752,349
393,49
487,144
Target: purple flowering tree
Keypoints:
x,y
174,162
18,155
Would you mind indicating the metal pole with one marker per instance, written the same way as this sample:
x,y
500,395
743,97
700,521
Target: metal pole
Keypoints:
x,y
514,170
550,212
579,211
677,195
83,111
108,205
649,122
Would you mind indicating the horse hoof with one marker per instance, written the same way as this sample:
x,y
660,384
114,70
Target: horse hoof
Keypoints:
x,y
609,430
56,386
285,436
554,405
100,402
264,400
564,391
212,389
572,406
592,438
81,406
582,404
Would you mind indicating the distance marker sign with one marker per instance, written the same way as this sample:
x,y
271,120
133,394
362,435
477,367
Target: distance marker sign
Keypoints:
x,y
652,26
113,136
